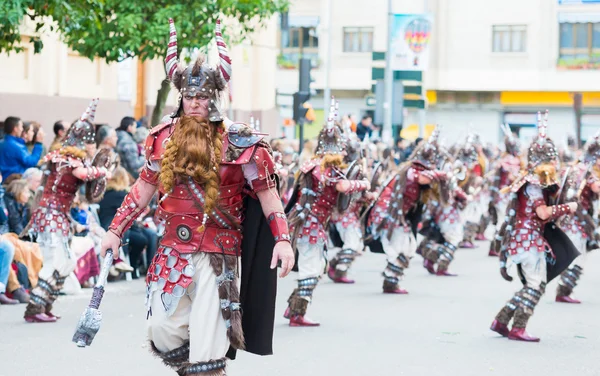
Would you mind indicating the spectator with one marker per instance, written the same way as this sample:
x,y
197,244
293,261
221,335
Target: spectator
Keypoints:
x,y
308,152
16,199
33,177
60,129
127,148
7,251
106,138
365,127
30,144
138,236
14,156
140,136
3,211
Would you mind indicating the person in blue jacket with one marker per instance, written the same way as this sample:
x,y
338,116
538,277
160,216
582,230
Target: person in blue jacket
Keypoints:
x,y
14,156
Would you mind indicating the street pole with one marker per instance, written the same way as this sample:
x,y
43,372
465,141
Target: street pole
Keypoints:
x,y
327,30
386,132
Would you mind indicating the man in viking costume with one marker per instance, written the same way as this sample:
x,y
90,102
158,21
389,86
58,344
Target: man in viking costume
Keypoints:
x,y
473,184
442,227
530,239
345,230
507,170
395,215
66,170
208,179
582,184
320,182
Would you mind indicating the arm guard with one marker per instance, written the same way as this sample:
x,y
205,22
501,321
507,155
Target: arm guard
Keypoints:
x,y
279,227
126,214
93,173
357,186
559,210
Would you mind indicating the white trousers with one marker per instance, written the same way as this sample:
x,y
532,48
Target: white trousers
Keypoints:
x,y
197,317
56,255
533,267
402,242
311,260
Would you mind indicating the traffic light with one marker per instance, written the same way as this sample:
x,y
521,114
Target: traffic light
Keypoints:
x,y
300,110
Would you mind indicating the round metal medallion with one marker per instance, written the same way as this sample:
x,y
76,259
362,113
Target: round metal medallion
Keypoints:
x,y
184,233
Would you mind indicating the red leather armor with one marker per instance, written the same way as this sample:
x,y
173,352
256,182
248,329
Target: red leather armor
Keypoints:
x,y
182,210
527,235
411,193
324,186
350,217
52,214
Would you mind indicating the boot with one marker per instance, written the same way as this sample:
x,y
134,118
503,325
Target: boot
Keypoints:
x,y
500,328
301,320
21,295
444,273
480,237
567,299
428,264
493,253
339,276
519,334
393,288
286,314
40,317
6,300
563,294
466,244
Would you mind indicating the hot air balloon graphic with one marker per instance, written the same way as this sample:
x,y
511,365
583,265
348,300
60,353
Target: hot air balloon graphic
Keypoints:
x,y
416,35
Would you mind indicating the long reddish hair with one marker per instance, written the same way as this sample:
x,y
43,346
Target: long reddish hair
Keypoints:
x,y
194,150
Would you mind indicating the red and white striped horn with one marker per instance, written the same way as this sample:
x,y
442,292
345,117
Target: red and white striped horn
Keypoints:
x,y
171,61
90,112
224,59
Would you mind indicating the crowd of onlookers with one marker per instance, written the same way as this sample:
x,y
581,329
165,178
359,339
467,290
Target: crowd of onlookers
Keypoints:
x,y
22,169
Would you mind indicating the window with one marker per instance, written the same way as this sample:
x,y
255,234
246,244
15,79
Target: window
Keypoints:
x,y
358,39
302,37
580,42
509,38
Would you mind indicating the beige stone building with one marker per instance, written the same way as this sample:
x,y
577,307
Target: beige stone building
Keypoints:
x,y
57,84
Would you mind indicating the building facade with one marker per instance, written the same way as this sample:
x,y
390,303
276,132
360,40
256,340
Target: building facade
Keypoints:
x,y
490,61
57,84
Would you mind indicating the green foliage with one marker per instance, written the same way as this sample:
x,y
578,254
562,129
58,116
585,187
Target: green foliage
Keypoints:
x,y
117,29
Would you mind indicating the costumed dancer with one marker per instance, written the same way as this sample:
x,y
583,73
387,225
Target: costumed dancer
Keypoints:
x,y
345,230
396,213
472,185
530,239
316,190
203,173
66,170
442,227
582,186
507,170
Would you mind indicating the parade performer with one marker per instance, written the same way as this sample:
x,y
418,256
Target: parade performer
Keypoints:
x,y
530,239
66,170
396,213
316,190
473,184
208,179
506,171
582,186
442,227
345,230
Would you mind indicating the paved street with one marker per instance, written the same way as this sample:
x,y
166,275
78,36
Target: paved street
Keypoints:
x,y
441,328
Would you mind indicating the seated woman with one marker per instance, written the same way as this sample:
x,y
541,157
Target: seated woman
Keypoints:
x,y
138,237
16,198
